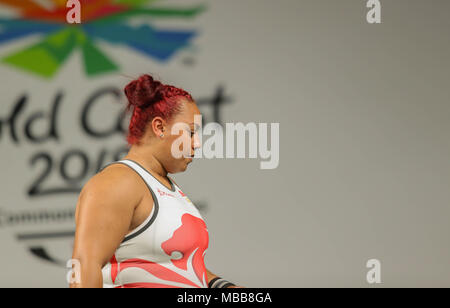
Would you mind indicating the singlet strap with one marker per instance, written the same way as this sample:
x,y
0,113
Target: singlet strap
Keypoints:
x,y
151,218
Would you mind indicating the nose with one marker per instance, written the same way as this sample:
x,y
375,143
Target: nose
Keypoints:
x,y
196,143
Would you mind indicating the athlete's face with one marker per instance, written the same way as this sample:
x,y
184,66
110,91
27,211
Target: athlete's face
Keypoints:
x,y
182,138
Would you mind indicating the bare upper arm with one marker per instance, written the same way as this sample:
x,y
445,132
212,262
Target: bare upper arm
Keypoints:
x,y
104,212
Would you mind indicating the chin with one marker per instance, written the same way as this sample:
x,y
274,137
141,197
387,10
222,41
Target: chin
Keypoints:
x,y
185,166
181,168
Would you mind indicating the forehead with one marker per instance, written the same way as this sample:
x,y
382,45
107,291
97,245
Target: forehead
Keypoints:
x,y
187,113
189,110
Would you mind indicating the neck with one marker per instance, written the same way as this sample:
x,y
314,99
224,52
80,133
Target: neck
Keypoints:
x,y
145,156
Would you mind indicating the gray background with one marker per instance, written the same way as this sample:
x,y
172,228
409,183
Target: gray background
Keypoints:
x,y
364,143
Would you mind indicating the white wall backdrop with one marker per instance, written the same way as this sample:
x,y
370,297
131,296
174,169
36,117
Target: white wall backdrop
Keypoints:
x,y
364,140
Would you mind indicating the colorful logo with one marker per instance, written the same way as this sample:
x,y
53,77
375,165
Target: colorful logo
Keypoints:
x,y
101,20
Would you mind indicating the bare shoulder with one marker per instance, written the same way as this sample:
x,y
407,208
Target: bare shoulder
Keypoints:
x,y
116,184
105,210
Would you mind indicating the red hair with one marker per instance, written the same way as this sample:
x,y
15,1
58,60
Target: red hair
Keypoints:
x,y
150,98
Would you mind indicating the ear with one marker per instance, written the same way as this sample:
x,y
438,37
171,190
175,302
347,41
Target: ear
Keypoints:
x,y
158,126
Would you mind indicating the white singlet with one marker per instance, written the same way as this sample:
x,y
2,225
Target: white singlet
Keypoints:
x,y
167,250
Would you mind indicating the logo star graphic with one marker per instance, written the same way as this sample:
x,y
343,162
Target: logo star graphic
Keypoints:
x,y
105,20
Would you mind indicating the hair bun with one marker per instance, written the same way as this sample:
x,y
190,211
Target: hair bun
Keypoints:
x,y
144,91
